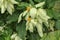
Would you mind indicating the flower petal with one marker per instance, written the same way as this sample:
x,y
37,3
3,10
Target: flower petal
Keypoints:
x,y
43,15
33,22
13,36
31,27
33,12
40,4
27,25
13,2
24,13
20,17
17,38
26,17
3,8
10,8
39,29
6,4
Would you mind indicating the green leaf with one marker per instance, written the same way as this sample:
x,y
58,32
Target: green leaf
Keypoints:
x,y
50,3
57,34
53,14
22,6
57,6
56,15
52,35
12,18
2,38
6,34
50,13
1,23
21,29
33,36
38,0
31,2
58,24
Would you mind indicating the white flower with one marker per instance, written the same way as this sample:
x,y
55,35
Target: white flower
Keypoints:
x,y
30,24
43,16
1,28
31,11
15,37
7,5
26,13
35,17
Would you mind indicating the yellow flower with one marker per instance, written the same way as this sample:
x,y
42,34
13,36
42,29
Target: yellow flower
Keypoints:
x,y
29,19
28,9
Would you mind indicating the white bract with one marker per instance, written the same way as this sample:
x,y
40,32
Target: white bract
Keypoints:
x,y
35,17
1,29
7,5
40,4
15,37
33,12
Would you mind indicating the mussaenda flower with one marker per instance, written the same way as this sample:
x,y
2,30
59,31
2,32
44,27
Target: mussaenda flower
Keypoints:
x,y
15,37
35,17
30,10
7,5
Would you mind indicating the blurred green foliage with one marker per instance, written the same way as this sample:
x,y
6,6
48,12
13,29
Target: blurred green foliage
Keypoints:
x,y
11,25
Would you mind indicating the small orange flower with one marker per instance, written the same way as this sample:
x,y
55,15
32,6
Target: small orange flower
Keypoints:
x,y
28,19
28,8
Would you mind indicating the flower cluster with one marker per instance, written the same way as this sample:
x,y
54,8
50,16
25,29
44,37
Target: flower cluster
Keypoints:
x,y
7,5
35,17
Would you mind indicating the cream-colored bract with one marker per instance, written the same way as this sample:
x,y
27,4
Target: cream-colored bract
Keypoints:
x,y
1,29
35,17
33,12
40,4
15,37
7,5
